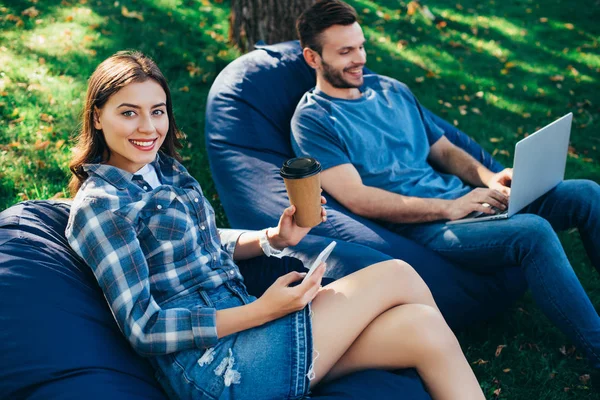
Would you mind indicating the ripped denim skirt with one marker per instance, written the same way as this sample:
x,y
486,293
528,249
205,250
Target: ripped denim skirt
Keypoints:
x,y
272,361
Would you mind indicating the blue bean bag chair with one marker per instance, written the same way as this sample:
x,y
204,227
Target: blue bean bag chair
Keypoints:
x,y
248,114
58,338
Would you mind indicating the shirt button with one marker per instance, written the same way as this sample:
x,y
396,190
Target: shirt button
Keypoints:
x,y
214,258
145,187
196,200
203,227
231,273
159,207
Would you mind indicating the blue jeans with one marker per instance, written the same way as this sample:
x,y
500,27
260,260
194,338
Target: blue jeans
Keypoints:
x,y
529,240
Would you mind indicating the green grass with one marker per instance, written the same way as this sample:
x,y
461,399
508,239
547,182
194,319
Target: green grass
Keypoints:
x,y
496,69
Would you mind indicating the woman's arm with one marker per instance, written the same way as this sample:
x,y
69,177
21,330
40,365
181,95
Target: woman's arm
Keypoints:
x,y
108,243
285,234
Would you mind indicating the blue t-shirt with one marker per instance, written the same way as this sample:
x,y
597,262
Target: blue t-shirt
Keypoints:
x,y
384,134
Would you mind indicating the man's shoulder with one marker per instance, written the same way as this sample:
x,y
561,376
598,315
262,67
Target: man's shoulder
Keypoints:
x,y
311,107
385,83
312,102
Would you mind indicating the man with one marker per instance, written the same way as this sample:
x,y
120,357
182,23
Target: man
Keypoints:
x,y
379,150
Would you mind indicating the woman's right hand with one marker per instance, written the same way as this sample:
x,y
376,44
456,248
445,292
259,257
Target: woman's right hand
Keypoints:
x,y
280,299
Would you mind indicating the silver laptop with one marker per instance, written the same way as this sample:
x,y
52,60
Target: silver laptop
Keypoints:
x,y
539,165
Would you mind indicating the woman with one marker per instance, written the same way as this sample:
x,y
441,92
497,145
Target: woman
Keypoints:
x,y
141,223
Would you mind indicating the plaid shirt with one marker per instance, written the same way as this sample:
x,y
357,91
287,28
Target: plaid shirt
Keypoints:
x,y
146,246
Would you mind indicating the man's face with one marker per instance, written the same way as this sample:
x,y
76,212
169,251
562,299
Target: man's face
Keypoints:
x,y
343,56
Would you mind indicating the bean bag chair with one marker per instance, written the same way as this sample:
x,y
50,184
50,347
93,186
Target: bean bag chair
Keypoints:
x,y
247,131
59,339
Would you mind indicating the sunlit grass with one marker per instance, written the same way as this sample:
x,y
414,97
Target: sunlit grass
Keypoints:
x,y
498,70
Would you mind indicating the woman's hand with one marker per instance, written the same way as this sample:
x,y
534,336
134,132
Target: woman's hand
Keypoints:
x,y
287,233
280,299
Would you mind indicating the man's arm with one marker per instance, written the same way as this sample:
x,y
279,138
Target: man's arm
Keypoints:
x,y
449,158
345,184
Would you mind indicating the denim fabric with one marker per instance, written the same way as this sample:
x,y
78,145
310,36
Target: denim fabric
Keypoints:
x,y
528,239
267,362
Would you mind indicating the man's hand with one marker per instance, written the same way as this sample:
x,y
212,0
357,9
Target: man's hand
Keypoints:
x,y
501,181
287,233
479,199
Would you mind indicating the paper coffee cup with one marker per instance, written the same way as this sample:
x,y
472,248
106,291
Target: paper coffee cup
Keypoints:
x,y
303,184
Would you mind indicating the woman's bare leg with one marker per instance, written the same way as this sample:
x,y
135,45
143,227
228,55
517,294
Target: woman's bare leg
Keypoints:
x,y
345,308
413,335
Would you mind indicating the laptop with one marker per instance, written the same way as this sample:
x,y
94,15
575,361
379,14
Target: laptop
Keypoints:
x,y
539,165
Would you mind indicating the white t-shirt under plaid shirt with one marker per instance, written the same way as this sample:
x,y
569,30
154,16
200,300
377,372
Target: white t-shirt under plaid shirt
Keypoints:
x,y
146,246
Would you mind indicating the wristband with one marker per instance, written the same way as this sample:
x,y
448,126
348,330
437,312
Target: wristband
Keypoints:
x,y
266,247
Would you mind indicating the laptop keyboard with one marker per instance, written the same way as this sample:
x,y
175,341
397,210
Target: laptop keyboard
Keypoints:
x,y
479,214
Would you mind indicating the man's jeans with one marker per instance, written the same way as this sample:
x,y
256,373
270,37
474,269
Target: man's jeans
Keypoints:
x,y
528,239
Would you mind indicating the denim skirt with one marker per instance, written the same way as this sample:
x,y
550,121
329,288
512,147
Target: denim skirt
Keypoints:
x,y
271,361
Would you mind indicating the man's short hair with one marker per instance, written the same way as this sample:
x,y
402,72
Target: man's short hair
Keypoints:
x,y
320,16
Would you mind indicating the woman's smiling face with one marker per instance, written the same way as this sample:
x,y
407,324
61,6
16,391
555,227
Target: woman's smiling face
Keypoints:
x,y
134,122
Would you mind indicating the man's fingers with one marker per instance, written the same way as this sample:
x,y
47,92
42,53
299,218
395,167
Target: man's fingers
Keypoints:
x,y
481,208
498,196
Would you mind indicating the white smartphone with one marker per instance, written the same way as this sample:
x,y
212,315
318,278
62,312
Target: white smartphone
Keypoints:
x,y
321,258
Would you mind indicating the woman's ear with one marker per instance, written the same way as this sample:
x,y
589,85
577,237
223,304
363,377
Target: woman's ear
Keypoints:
x,y
96,116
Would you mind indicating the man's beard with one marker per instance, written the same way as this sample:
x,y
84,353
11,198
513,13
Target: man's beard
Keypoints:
x,y
335,78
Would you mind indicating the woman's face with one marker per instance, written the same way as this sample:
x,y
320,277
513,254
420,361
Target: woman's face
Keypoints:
x,y
135,123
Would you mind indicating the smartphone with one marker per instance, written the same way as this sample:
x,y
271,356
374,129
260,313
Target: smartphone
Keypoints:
x,y
321,258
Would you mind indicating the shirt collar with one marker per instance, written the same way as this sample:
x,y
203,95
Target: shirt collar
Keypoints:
x,y
120,178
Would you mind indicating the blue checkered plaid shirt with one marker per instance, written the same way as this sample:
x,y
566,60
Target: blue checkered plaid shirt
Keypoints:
x,y
148,245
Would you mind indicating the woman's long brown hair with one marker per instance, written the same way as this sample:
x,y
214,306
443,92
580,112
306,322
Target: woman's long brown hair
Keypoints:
x,y
110,76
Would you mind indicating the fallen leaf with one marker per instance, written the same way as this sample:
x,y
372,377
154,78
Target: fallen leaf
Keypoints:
x,y
573,70
31,12
569,26
69,18
552,375
499,349
419,79
41,145
584,379
46,118
496,140
476,110
131,14
59,144
184,89
430,74
506,370
543,20
509,65
505,153
497,392
479,94
557,78
480,362
412,8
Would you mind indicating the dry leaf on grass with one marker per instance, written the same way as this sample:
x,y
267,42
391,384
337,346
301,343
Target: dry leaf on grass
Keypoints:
x,y
499,349
131,14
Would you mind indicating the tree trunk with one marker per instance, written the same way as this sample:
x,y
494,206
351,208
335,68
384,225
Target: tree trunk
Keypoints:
x,y
271,21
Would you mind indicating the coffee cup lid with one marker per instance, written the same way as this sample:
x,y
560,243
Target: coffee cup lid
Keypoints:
x,y
300,167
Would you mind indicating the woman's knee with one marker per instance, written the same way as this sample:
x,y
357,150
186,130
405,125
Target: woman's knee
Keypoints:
x,y
433,333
